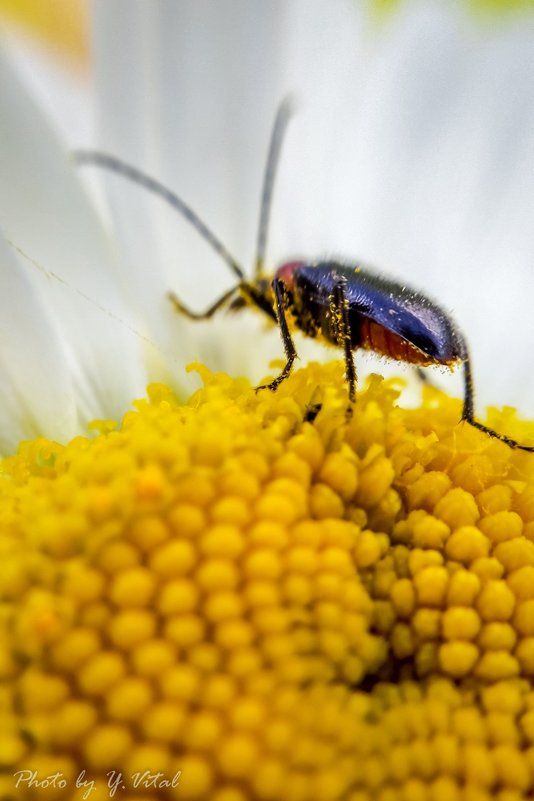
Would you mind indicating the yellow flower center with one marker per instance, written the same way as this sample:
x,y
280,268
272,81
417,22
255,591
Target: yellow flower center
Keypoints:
x,y
248,598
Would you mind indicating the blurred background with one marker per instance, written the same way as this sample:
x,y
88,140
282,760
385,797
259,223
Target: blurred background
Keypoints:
x,y
411,151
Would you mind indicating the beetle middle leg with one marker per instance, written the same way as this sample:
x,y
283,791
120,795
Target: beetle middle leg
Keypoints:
x,y
289,347
341,308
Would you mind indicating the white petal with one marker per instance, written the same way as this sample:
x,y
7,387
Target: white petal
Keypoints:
x,y
36,384
45,213
63,93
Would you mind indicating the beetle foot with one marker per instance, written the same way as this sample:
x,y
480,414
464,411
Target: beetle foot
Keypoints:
x,y
272,386
312,411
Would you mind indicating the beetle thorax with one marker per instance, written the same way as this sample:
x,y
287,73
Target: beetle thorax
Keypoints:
x,y
286,273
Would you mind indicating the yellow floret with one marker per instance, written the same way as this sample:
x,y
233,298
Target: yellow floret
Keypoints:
x,y
431,584
496,601
466,544
264,607
457,659
460,623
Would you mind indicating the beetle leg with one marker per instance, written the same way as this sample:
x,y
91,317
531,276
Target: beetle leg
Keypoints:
x,y
181,309
422,376
468,413
289,347
342,308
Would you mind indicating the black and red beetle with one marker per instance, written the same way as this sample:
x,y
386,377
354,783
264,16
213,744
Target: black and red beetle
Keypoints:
x,y
348,306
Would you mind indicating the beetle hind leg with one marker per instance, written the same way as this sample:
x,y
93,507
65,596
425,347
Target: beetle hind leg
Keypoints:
x,y
468,414
341,310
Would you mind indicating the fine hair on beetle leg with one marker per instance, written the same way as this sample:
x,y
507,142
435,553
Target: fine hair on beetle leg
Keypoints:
x,y
340,301
289,346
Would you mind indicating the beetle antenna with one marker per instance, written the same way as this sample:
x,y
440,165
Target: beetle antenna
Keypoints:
x,y
114,164
283,115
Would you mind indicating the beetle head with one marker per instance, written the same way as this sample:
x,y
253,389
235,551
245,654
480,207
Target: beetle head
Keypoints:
x,y
258,293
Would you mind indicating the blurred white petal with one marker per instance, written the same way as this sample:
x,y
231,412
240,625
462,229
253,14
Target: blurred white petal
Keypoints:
x,y
64,94
45,213
36,385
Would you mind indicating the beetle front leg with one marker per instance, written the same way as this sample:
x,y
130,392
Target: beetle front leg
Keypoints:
x,y
289,347
342,310
205,315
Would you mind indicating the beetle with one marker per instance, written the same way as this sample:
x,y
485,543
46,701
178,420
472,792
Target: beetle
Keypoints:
x,y
345,305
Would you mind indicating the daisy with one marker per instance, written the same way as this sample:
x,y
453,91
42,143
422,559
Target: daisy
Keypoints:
x,y
243,595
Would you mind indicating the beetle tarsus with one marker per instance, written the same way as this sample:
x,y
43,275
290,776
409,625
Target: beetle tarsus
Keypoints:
x,y
205,315
468,414
273,386
512,443
312,411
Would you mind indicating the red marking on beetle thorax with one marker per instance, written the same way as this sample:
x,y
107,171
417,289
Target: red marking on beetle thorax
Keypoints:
x,y
286,273
377,338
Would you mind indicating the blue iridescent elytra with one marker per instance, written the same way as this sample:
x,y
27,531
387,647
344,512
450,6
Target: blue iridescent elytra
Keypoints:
x,y
345,305
407,317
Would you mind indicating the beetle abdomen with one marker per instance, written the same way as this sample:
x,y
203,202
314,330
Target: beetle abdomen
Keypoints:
x,y
384,316
373,336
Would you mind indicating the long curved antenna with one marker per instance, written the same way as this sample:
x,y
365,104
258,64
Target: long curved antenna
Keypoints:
x,y
127,171
283,115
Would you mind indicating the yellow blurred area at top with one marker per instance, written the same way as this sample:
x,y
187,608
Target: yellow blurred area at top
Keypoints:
x,y
60,25
482,6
